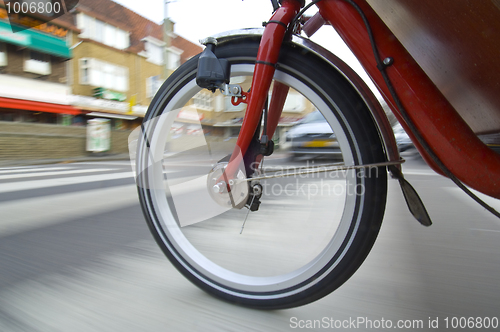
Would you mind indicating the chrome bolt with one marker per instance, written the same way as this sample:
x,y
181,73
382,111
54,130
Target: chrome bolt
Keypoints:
x,y
388,61
236,90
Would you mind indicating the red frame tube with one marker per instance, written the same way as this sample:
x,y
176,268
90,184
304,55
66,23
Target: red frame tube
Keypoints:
x,y
267,56
278,98
441,126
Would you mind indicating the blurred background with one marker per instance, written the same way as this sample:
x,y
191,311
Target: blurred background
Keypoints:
x,y
75,252
78,85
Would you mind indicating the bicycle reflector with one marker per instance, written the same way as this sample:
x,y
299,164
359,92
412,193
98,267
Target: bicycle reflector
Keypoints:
x,y
212,71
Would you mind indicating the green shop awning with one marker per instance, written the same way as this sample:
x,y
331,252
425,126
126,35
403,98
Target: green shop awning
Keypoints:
x,y
35,40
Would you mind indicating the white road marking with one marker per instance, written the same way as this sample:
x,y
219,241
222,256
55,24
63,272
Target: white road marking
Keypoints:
x,y
38,184
59,172
32,169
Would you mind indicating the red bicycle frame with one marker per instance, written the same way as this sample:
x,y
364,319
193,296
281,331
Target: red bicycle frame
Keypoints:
x,y
267,57
449,136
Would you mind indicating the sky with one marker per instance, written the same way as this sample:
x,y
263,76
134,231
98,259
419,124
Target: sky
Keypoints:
x,y
198,19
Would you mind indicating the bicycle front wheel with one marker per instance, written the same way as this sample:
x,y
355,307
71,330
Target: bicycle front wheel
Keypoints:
x,y
311,231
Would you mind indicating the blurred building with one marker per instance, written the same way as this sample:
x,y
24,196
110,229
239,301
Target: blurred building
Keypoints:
x,y
100,60
34,84
220,119
119,62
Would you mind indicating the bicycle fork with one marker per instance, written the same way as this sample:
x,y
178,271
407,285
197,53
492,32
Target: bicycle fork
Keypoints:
x,y
265,65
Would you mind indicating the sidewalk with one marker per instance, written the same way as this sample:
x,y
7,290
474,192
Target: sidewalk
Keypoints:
x,y
31,162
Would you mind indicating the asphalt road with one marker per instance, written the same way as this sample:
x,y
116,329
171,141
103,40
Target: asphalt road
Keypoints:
x,y
76,255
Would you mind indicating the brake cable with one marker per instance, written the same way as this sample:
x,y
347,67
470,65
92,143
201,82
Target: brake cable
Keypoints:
x,y
299,15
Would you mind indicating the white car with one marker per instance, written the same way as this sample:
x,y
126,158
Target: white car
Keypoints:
x,y
313,137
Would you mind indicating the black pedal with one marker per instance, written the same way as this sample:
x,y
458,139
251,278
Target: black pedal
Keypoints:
x,y
212,71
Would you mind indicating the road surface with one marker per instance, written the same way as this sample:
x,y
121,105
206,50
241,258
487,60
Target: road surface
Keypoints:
x,y
76,255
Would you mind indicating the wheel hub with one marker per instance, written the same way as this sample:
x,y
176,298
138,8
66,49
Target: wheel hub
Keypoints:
x,y
230,193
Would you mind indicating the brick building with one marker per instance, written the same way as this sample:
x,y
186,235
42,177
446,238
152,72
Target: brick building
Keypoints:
x,y
100,60
33,70
119,61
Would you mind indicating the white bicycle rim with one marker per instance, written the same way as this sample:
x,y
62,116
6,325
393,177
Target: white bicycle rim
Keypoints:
x,y
274,256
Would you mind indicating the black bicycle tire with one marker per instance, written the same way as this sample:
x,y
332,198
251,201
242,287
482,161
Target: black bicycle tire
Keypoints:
x,y
332,85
